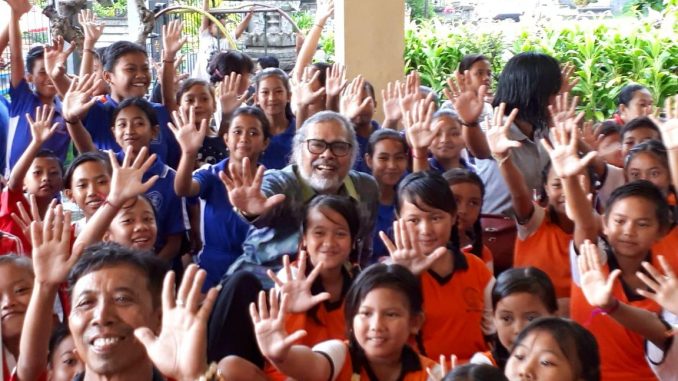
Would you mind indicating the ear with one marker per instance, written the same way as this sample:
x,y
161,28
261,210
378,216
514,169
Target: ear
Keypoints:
x,y
29,77
368,160
416,321
107,76
69,194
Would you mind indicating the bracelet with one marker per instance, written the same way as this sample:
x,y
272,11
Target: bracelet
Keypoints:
x,y
168,61
71,122
613,309
415,156
87,50
470,125
319,26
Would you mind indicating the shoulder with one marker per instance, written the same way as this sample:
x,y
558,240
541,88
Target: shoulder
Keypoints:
x,y
362,181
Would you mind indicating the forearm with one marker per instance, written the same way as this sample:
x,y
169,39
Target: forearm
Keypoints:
x,y
96,227
420,160
4,38
242,26
81,138
37,329
580,210
332,103
673,166
391,124
476,142
167,82
308,49
184,186
87,63
171,247
598,163
521,198
16,176
16,57
643,322
301,115
205,23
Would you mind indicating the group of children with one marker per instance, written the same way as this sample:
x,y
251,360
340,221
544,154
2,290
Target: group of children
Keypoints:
x,y
594,210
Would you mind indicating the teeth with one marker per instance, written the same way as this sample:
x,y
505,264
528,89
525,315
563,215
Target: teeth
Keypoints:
x,y
105,341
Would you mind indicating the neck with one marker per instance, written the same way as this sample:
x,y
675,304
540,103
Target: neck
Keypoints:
x,y
116,97
332,281
386,194
449,163
629,264
43,204
140,372
12,346
363,130
279,123
444,266
46,100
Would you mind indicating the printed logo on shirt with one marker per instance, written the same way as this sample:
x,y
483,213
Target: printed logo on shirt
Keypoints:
x,y
473,300
156,199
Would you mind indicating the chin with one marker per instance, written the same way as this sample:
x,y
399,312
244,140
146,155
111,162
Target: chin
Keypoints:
x,y
321,185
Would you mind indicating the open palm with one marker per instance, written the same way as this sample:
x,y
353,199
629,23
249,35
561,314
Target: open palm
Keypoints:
x,y
244,192
597,287
269,327
298,288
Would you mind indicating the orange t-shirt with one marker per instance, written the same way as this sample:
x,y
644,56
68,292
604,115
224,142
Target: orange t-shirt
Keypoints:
x,y
454,308
622,353
548,250
413,367
668,247
486,255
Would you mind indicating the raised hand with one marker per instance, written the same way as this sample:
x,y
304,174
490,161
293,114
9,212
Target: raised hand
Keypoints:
x,y
42,127
406,251
391,102
408,93
229,95
497,132
324,12
664,287
669,128
418,126
302,92
56,57
588,134
20,7
567,83
93,29
298,288
269,327
24,218
79,97
563,151
51,241
244,192
190,140
335,80
596,287
468,103
180,350
438,372
126,181
563,110
352,102
172,41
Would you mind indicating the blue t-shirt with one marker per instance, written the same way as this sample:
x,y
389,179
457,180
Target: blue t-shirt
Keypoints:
x,y
170,209
277,154
360,164
437,167
385,218
25,101
99,124
4,124
223,231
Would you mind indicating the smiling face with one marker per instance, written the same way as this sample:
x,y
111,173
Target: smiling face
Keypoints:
x,y
325,172
134,226
108,304
631,226
272,95
327,238
200,97
130,77
514,312
64,363
132,128
539,357
245,138
38,77
90,184
16,285
44,178
384,323
448,143
388,162
432,227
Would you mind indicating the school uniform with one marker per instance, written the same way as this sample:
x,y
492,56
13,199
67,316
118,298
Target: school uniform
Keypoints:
x,y
486,256
25,101
543,244
222,230
668,247
277,154
458,309
360,165
385,217
4,124
664,360
484,358
170,209
349,365
8,205
622,356
437,167
99,123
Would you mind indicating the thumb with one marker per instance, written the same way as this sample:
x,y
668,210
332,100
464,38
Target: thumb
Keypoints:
x,y
610,280
435,255
145,336
273,201
323,296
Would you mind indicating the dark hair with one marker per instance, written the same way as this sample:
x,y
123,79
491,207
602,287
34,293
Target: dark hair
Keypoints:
x,y
424,92
224,63
109,254
49,154
463,176
34,54
322,68
86,157
468,60
577,344
369,90
627,92
383,134
118,49
526,83
142,104
607,128
651,146
475,372
283,77
187,84
637,123
647,191
59,333
256,113
268,61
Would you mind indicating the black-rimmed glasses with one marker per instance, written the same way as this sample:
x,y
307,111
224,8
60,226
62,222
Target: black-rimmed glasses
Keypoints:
x,y
318,146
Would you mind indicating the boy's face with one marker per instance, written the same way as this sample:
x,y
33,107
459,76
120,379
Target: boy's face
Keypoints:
x,y
16,285
89,186
133,129
44,177
637,136
39,78
130,77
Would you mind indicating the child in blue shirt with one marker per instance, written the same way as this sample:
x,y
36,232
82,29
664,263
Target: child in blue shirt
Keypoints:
x,y
223,230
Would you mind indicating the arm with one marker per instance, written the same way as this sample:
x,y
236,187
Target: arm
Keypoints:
x,y
669,131
55,64
469,106
245,193
172,43
420,133
4,38
190,142
303,96
500,146
93,31
242,26
335,82
41,130
391,104
77,102
311,41
205,22
18,8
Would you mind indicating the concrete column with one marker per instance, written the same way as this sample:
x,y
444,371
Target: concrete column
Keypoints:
x,y
370,40
133,20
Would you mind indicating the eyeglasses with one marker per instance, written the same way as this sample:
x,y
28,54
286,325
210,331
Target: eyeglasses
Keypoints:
x,y
317,146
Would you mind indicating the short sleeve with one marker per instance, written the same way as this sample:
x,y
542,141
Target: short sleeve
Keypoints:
x,y
205,179
532,224
335,351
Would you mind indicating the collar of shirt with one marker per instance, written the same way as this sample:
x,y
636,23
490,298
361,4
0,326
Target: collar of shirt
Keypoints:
x,y
158,168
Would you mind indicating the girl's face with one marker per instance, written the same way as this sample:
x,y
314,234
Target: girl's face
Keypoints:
x,y
16,285
272,95
134,226
640,105
200,97
636,136
90,185
514,312
480,74
44,178
327,238
65,363
432,227
130,77
539,357
448,143
469,202
647,166
133,129
384,323
631,226
388,162
245,138
554,190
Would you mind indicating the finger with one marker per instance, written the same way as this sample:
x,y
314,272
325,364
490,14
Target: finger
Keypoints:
x,y
301,266
294,337
263,306
397,234
57,232
207,305
66,231
228,183
274,201
36,234
186,282
145,336
278,282
649,282
168,292
195,295
320,298
658,277
47,226
254,314
612,278
287,267
387,242
314,273
666,267
17,220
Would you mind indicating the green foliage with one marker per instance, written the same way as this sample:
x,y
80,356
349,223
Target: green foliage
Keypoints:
x,y
642,6
303,19
420,9
118,9
327,46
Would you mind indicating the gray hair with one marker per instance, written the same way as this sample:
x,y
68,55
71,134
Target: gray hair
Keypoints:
x,y
324,116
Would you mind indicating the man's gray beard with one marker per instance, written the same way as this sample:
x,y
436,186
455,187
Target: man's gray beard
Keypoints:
x,y
321,184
